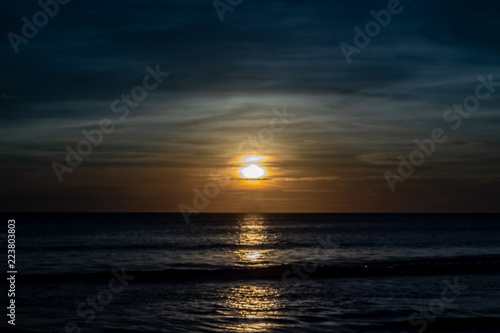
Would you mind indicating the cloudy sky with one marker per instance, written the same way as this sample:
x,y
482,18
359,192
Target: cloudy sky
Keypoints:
x,y
348,125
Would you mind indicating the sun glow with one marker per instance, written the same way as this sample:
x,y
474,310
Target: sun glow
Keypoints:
x,y
252,158
252,171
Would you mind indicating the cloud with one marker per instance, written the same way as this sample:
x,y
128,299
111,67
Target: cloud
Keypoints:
x,y
304,179
310,191
380,158
352,120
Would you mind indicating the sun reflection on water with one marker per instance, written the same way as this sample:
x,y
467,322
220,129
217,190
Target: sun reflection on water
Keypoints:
x,y
251,308
252,232
254,256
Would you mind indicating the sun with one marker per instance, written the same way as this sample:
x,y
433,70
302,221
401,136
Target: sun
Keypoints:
x,y
252,168
252,171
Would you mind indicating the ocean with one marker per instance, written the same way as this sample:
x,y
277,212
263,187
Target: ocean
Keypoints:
x,y
371,273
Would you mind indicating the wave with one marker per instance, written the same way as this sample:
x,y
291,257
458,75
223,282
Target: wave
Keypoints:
x,y
172,247
440,325
413,267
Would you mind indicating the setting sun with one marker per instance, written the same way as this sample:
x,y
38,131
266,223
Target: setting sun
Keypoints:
x,y
252,171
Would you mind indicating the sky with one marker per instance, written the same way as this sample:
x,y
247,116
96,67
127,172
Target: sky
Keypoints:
x,y
270,80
